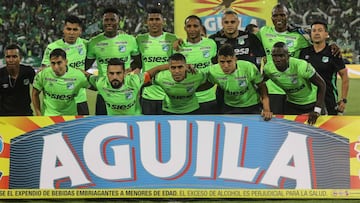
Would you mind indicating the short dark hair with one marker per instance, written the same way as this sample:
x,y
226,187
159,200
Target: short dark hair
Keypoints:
x,y
250,28
321,23
226,50
154,10
278,6
111,10
73,19
193,17
228,12
116,61
177,57
14,46
58,52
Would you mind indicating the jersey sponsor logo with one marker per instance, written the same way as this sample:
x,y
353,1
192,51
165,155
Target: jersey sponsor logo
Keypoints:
x,y
50,79
157,59
293,90
59,96
26,81
235,93
120,107
180,97
242,51
325,59
77,64
201,65
102,44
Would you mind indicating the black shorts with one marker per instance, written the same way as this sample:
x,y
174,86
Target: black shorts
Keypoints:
x,y
296,109
210,107
255,109
277,103
151,107
100,108
82,108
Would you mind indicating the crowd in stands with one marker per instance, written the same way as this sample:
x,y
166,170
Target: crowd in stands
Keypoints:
x,y
35,24
342,16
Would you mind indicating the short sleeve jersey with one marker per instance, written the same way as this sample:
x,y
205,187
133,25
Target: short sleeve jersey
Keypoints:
x,y
180,96
327,66
15,94
199,55
294,41
154,51
295,80
246,46
102,48
59,91
122,101
75,54
239,86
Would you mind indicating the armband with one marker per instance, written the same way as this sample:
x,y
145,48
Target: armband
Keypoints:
x,y
317,110
147,77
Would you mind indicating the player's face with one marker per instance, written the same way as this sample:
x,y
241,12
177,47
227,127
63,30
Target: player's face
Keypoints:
x,y
71,32
193,30
110,24
155,24
12,58
227,63
178,70
280,57
230,23
116,75
279,18
58,65
319,33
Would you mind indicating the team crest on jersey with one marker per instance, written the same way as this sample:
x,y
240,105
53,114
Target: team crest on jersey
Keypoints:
x,y
307,57
70,86
290,43
26,81
165,47
206,54
80,50
293,79
325,59
241,41
5,86
242,83
190,89
122,48
129,95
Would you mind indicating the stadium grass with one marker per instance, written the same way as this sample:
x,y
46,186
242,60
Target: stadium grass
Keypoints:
x,y
352,108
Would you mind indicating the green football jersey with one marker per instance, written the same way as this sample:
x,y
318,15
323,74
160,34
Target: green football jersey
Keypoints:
x,y
199,55
239,86
180,97
294,41
122,101
294,80
59,91
75,54
154,51
102,48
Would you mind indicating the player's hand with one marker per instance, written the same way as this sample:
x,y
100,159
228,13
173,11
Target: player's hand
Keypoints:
x,y
313,116
190,68
177,44
266,114
341,106
135,71
335,50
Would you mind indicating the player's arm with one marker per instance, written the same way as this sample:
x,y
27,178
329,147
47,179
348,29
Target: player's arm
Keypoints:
x,y
177,44
266,112
335,50
150,74
344,89
89,63
36,101
317,80
136,63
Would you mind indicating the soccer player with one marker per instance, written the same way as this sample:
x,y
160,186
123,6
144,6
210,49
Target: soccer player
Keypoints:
x,y
15,80
296,77
198,52
155,48
111,44
238,79
75,48
328,66
246,45
280,32
180,86
60,85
